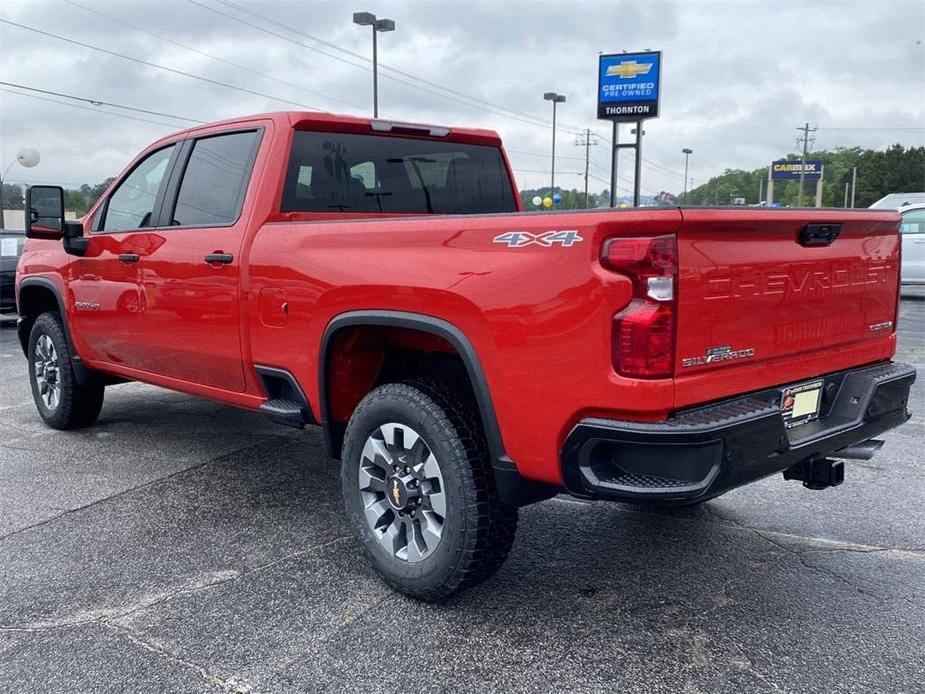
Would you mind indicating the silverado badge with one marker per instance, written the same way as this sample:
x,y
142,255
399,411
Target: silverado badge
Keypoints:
x,y
717,354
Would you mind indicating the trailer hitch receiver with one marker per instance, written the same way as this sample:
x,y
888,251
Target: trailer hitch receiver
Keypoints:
x,y
817,473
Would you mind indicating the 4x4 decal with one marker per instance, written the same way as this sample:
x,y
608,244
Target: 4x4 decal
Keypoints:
x,y
519,239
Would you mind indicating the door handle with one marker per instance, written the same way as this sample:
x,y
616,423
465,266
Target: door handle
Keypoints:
x,y
218,257
129,257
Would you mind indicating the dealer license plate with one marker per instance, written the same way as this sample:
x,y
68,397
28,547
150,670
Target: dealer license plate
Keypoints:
x,y
800,404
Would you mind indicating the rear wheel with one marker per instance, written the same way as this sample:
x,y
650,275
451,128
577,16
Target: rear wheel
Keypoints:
x,y
61,401
419,491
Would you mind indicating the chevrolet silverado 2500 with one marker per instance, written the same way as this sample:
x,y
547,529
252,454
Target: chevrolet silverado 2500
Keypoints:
x,y
463,357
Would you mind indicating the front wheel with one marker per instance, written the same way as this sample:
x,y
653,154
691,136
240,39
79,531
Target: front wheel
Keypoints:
x,y
61,401
419,491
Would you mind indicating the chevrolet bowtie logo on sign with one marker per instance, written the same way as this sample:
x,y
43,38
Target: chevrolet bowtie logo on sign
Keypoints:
x,y
629,69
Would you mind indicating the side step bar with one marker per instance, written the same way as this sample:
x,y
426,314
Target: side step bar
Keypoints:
x,y
286,402
285,412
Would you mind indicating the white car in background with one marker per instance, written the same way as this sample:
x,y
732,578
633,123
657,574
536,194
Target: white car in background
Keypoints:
x,y
912,208
912,230
898,201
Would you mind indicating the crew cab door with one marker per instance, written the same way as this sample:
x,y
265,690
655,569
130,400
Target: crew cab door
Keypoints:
x,y
105,294
190,283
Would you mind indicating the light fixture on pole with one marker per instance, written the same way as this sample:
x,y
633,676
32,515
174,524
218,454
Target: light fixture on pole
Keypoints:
x,y
27,157
687,153
369,19
555,99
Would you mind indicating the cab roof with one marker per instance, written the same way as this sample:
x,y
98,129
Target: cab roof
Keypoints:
x,y
305,120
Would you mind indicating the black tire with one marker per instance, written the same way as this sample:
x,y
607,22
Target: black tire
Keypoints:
x,y
76,405
478,530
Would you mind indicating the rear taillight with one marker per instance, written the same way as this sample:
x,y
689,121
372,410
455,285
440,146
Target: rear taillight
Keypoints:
x,y
643,332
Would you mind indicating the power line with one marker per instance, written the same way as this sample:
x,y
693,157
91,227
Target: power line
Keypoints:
x,y
665,169
97,102
155,65
546,155
172,126
578,173
654,164
209,55
443,87
874,130
482,104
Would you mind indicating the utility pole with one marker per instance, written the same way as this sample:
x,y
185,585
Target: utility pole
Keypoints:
x,y
846,193
854,183
586,141
760,189
806,131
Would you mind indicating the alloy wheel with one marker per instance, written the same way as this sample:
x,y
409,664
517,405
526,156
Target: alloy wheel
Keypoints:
x,y
46,372
402,490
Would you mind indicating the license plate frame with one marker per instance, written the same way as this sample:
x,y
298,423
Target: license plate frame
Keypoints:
x,y
800,403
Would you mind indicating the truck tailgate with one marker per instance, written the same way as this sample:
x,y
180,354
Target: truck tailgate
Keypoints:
x,y
755,302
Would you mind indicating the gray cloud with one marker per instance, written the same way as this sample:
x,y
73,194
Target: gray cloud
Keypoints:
x,y
738,78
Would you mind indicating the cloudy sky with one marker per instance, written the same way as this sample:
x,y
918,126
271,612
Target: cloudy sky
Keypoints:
x,y
738,77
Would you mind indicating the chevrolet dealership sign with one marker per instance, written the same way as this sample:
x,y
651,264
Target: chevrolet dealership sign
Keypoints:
x,y
628,86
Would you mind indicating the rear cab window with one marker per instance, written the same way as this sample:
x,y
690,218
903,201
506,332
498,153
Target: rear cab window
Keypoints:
x,y
375,174
215,179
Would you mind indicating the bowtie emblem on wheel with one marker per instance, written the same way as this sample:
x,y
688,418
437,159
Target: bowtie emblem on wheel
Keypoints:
x,y
396,492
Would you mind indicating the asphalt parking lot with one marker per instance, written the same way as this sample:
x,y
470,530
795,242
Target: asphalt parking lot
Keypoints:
x,y
184,546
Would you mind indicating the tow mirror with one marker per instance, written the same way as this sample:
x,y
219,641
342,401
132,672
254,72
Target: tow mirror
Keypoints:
x,y
44,212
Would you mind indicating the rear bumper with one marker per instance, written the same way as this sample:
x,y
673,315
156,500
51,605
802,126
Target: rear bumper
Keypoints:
x,y
706,451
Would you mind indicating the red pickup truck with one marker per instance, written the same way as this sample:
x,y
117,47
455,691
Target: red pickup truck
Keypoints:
x,y
463,357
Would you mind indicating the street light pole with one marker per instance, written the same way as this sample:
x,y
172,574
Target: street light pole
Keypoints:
x,y
555,99
687,153
27,157
369,19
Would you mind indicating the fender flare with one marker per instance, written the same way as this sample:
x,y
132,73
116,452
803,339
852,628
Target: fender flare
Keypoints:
x,y
427,324
84,376
512,487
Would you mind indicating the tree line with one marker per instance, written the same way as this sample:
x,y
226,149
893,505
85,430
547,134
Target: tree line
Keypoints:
x,y
80,200
879,172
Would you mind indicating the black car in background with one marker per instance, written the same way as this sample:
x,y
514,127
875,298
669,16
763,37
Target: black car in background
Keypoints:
x,y
11,243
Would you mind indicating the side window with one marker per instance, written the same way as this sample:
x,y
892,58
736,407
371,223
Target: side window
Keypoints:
x,y
303,187
132,203
365,173
216,176
913,222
